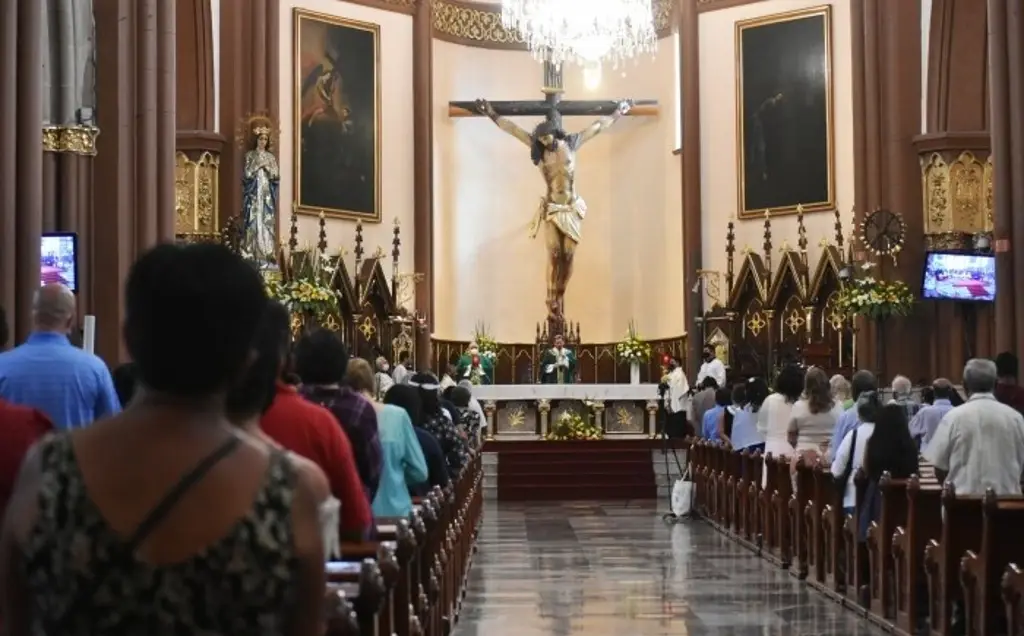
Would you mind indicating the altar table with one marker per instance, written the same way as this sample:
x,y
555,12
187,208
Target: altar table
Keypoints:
x,y
525,411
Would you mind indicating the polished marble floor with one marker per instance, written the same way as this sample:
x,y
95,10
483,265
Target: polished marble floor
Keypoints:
x,y
603,569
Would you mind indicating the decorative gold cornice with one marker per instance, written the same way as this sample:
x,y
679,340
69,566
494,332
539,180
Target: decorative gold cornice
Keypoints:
x,y
479,24
78,140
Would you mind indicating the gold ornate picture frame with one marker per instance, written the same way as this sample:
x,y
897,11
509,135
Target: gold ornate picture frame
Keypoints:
x,y
785,129
337,98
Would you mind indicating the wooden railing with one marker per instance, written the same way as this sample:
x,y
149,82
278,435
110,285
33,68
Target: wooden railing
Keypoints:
x,y
930,557
412,579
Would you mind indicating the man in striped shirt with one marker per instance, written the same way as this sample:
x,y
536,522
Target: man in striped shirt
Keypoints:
x,y
71,387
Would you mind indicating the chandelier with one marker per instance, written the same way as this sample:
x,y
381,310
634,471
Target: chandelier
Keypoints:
x,y
584,32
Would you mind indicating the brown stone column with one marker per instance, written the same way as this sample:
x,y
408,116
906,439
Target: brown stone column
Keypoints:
x,y
689,37
887,107
1014,25
954,156
126,208
8,143
1002,213
423,172
29,155
166,113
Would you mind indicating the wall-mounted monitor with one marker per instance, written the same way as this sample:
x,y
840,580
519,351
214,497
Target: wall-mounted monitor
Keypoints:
x,y
961,277
58,259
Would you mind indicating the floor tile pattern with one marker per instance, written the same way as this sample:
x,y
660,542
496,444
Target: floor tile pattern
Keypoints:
x,y
603,569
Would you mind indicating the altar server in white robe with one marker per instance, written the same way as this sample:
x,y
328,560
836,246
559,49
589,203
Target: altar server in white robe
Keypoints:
x,y
676,399
711,366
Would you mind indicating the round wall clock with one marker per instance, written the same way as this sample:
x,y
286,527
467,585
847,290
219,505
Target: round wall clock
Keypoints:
x,y
883,232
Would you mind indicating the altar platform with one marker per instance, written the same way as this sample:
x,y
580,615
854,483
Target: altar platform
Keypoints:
x,y
524,412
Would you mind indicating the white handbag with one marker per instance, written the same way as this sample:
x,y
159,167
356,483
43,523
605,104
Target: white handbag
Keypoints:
x,y
330,519
682,496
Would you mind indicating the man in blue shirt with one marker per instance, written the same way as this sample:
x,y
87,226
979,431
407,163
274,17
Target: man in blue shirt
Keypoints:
x,y
72,387
862,381
923,426
709,427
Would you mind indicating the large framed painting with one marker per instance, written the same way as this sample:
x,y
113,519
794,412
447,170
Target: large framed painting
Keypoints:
x,y
784,113
337,116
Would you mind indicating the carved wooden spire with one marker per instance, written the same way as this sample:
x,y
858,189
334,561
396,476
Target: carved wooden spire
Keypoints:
x,y
801,243
293,230
768,247
396,251
839,228
730,250
359,257
321,244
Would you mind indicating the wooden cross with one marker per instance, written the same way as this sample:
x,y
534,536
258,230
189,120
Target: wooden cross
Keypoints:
x,y
552,102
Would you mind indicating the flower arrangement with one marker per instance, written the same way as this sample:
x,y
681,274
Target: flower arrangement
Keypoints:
x,y
874,298
633,348
572,426
304,296
485,344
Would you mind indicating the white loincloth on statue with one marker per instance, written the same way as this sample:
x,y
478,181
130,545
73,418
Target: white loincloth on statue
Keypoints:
x,y
567,217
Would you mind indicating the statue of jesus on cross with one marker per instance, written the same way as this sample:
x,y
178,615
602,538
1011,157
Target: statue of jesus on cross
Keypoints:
x,y
561,211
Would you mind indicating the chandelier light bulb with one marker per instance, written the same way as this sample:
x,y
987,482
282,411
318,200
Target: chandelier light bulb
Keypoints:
x,y
592,76
583,32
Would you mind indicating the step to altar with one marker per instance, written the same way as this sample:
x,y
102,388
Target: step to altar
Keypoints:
x,y
616,469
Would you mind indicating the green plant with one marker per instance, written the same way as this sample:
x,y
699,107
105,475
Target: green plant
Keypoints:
x,y
874,298
633,348
570,425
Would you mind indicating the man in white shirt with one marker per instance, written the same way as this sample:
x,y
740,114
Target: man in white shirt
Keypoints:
x,y
711,366
401,373
980,444
675,398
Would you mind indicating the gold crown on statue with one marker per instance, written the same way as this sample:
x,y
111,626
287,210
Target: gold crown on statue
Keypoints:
x,y
261,130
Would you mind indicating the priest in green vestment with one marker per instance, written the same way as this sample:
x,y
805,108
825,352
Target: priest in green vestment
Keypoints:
x,y
558,364
474,366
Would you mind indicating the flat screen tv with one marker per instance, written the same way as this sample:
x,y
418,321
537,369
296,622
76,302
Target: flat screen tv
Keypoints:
x,y
962,277
58,259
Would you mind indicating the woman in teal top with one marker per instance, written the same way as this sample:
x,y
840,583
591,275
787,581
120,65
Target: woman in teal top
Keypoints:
x,y
404,464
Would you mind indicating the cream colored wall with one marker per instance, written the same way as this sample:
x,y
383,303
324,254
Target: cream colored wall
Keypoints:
x,y
396,133
719,175
486,191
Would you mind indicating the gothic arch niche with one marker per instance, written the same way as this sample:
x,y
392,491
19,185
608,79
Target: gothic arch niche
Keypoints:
x,y
752,346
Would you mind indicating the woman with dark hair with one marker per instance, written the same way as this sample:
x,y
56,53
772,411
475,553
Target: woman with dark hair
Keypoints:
x,y
439,424
814,415
179,510
775,413
408,397
321,360
851,452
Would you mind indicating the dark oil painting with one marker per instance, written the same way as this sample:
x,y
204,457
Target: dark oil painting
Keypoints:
x,y
337,112
784,104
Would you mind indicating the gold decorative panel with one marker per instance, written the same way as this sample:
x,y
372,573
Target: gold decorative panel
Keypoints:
x,y
957,193
196,192
77,140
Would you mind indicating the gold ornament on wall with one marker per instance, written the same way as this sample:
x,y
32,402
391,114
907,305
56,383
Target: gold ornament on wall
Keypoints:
x,y
883,233
77,140
957,193
196,192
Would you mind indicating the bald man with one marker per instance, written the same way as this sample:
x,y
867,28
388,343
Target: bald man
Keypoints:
x,y
70,386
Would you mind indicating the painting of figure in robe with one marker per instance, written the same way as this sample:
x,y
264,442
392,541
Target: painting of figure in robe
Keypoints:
x,y
784,113
337,113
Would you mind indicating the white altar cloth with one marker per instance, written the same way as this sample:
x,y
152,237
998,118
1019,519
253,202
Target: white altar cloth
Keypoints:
x,y
597,392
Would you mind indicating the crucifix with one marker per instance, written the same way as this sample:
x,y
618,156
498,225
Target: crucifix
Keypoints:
x,y
553,150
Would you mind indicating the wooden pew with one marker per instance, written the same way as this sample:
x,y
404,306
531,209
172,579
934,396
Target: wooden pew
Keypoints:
x,y
800,519
923,523
823,494
767,541
780,506
855,554
339,615
980,572
892,514
411,580
961,531
1013,598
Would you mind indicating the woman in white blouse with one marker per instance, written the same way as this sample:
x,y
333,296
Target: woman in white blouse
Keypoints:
x,y
850,455
776,411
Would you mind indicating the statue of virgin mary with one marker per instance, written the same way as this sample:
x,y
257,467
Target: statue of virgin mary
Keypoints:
x,y
260,178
